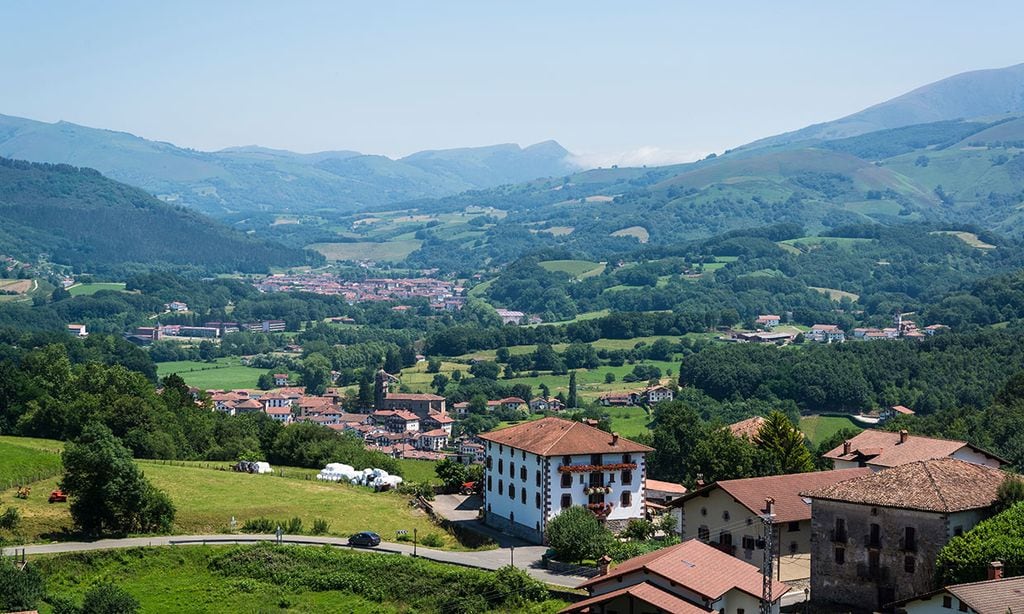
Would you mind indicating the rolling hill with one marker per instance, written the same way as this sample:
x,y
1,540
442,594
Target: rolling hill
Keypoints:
x,y
77,217
250,179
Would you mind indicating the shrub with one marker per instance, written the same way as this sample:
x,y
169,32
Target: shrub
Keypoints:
x,y
576,534
294,526
259,525
638,529
106,598
432,540
19,589
10,519
320,527
1000,538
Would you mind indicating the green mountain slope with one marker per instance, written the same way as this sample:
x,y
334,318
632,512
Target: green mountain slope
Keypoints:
x,y
249,179
76,216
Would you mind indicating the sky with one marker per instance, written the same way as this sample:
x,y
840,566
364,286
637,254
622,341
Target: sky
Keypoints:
x,y
614,82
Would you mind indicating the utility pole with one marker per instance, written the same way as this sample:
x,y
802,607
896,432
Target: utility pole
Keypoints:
x,y
769,556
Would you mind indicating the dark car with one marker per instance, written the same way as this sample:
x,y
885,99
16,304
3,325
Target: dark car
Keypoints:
x,y
366,539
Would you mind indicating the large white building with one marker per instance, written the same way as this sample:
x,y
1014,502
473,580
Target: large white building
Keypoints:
x,y
537,469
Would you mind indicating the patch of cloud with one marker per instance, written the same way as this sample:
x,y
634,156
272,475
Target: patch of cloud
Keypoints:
x,y
647,155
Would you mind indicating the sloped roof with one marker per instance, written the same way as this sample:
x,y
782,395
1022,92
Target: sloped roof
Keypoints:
x,y
785,489
644,591
942,485
698,567
403,396
670,487
985,597
748,428
557,436
887,451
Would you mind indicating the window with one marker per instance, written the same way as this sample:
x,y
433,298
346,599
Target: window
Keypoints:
x,y
627,477
839,533
537,500
626,499
501,487
703,533
566,480
501,466
490,486
910,539
595,459
873,562
875,537
566,501
566,460
909,564
522,496
725,538
512,470
524,454
958,531
703,511
793,547
793,527
840,553
725,515
963,607
947,601
627,458
538,478
522,473
511,492
748,542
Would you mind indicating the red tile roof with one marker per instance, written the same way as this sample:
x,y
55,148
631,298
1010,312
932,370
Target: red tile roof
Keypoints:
x,y
900,409
992,596
644,591
748,428
698,567
887,451
435,433
556,436
785,489
944,485
412,397
670,487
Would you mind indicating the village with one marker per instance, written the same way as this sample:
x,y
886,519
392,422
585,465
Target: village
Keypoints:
x,y
440,294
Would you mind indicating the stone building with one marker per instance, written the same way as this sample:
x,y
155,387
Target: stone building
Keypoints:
x,y
875,538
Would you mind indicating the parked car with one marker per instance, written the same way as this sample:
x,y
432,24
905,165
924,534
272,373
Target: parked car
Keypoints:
x,y
366,539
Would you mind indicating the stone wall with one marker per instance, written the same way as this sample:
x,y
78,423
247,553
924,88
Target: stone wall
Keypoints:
x,y
505,525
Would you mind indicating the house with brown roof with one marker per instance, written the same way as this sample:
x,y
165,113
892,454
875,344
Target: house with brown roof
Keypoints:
x,y
876,537
536,469
727,515
420,404
688,578
996,595
748,428
433,441
891,412
825,333
662,493
881,449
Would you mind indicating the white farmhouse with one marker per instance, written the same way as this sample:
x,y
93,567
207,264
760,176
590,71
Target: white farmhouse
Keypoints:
x,y
537,469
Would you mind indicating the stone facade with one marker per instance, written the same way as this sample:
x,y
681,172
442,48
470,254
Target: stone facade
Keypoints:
x,y
863,557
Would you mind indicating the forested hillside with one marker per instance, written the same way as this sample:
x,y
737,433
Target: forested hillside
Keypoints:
x,y
77,217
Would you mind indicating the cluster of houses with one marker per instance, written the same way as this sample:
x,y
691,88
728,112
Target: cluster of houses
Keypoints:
x,y
144,335
861,537
831,333
536,405
509,316
441,294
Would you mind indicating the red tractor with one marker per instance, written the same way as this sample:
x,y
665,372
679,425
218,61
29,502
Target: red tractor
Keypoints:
x,y
469,488
58,496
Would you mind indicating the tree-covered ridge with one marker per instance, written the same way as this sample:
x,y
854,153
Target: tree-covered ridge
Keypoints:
x,y
75,216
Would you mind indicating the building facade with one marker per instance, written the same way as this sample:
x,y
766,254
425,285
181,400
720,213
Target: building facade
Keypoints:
x,y
535,470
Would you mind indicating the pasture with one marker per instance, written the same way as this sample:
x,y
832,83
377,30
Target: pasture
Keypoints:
x,y
384,251
86,289
223,374
820,428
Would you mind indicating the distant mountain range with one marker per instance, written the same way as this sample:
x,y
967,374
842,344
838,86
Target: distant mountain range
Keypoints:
x,y
78,217
242,180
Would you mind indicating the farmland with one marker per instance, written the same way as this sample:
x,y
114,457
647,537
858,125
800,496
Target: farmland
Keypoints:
x,y
387,251
819,428
579,269
25,460
207,498
93,288
224,374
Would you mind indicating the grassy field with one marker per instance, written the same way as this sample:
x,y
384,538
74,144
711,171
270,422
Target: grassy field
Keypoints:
x,y
638,232
221,579
207,499
577,268
629,421
25,460
418,470
967,237
387,251
836,295
223,374
80,289
819,428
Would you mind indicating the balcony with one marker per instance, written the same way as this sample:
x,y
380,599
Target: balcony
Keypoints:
x,y
592,468
601,510
597,490
840,537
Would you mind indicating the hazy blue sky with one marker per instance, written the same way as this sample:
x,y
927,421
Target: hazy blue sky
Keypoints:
x,y
639,81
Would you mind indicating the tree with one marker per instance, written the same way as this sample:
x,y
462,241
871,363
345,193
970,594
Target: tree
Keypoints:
x,y
109,494
1000,538
576,534
265,381
572,399
545,391
393,360
485,369
316,374
434,365
452,473
609,378
1010,493
19,589
107,598
783,446
439,382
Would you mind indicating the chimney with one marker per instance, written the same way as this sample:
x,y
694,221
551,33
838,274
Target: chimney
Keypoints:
x,y
995,570
903,436
846,447
602,565
700,480
769,506
615,438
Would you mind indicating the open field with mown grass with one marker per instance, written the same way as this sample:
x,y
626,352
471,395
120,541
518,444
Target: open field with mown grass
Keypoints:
x,y
577,268
80,289
820,428
967,237
385,251
223,374
24,460
207,498
836,295
637,232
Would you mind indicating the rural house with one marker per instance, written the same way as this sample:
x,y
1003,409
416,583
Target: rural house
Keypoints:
x,y
996,595
727,515
688,578
876,537
881,449
536,469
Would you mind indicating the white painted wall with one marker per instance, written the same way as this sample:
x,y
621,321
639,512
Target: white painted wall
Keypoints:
x,y
580,481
